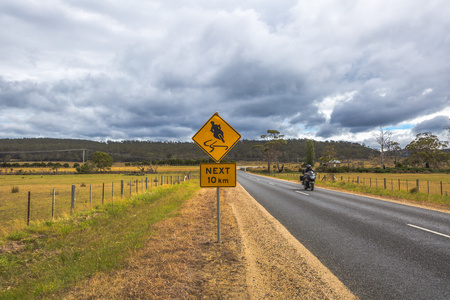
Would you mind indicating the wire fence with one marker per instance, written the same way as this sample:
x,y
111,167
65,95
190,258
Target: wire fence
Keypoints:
x,y
432,187
21,205
419,185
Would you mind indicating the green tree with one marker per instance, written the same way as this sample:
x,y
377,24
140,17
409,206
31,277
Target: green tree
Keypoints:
x,y
329,155
394,151
87,168
270,150
426,150
310,158
102,161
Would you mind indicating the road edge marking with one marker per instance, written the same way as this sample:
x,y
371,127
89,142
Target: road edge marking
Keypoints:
x,y
429,230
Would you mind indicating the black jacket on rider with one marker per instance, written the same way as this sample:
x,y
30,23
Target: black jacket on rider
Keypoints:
x,y
304,171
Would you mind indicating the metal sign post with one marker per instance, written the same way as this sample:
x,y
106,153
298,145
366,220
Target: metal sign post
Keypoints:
x,y
216,138
218,215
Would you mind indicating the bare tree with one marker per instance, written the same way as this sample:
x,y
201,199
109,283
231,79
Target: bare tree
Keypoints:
x,y
270,149
384,139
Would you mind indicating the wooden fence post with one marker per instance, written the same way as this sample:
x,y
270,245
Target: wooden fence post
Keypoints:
x,y
417,183
53,204
29,208
121,188
103,194
384,183
441,189
112,192
72,202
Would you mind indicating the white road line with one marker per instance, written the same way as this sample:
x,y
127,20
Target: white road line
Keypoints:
x,y
271,183
302,193
424,229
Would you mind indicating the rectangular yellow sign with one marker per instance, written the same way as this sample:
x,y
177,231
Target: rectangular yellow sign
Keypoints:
x,y
218,175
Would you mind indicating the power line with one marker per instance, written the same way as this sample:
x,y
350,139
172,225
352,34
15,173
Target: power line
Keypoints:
x,y
42,151
72,150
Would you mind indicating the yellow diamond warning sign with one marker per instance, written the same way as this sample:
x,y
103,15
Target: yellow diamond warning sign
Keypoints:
x,y
216,137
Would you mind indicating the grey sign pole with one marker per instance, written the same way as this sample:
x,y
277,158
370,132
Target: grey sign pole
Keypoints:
x,y
218,215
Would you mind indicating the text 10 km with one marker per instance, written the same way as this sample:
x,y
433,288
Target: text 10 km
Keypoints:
x,y
218,175
217,180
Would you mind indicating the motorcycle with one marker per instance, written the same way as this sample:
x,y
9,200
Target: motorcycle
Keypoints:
x,y
309,179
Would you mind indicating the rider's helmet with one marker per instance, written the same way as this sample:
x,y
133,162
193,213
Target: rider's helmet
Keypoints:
x,y
308,166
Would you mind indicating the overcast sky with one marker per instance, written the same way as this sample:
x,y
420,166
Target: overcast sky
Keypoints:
x,y
158,70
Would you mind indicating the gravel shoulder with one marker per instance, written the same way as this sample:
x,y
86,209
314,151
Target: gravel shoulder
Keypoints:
x,y
257,258
278,266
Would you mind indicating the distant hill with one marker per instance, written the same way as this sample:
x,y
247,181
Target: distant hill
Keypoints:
x,y
49,149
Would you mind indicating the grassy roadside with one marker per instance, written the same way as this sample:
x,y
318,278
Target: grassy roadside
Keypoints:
x,y
420,198
439,201
51,256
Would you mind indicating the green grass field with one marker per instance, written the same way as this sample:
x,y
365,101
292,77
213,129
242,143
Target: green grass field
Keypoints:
x,y
91,190
433,188
51,255
43,259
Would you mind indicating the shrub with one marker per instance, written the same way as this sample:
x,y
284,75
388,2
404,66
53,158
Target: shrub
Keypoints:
x,y
414,190
15,189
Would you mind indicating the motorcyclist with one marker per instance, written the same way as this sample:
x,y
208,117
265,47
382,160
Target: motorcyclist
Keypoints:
x,y
304,171
308,168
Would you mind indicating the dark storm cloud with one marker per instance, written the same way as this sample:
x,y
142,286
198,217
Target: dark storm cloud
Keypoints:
x,y
374,108
328,130
435,125
249,79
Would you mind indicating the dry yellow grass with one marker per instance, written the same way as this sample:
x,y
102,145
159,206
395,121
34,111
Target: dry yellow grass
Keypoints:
x,y
428,183
117,167
91,190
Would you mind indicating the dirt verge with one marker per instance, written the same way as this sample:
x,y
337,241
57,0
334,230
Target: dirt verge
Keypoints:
x,y
257,259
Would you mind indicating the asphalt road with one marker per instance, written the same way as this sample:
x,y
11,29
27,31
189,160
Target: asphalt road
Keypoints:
x,y
378,249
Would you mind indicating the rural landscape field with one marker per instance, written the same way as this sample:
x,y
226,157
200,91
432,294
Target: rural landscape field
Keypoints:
x,y
61,226
51,195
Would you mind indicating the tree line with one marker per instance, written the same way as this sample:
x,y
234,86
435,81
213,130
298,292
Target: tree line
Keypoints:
x,y
426,151
72,150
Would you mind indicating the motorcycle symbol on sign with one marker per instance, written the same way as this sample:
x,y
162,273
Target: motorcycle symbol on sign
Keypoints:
x,y
218,134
